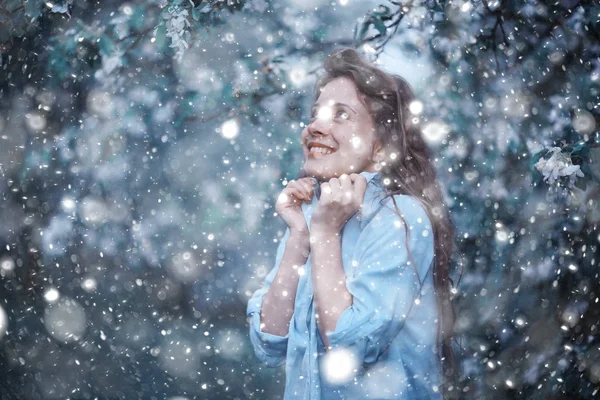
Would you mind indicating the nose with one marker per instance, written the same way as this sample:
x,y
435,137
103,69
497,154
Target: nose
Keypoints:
x,y
319,126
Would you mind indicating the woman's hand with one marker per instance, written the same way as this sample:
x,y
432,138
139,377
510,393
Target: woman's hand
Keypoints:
x,y
340,199
289,204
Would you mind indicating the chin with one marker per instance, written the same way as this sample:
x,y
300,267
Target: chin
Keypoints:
x,y
321,174
315,172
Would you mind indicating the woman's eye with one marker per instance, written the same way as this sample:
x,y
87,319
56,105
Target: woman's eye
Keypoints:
x,y
342,114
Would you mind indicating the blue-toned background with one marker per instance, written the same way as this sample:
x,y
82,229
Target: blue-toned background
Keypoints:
x,y
142,145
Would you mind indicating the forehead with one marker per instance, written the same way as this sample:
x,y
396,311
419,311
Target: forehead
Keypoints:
x,y
340,90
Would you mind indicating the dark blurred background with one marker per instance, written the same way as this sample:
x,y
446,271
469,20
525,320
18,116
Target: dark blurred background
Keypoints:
x,y
142,145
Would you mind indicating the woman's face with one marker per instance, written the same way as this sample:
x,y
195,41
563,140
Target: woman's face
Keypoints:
x,y
340,138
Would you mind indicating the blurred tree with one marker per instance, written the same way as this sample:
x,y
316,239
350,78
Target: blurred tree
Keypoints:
x,y
141,144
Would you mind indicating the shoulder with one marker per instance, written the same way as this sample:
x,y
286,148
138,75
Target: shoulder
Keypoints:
x,y
401,209
398,231
400,225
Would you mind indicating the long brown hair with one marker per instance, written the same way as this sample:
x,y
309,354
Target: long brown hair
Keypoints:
x,y
411,172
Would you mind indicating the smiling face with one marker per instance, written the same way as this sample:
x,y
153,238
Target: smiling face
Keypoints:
x,y
340,138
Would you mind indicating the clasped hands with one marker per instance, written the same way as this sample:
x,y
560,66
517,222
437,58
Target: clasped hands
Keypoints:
x,y
340,199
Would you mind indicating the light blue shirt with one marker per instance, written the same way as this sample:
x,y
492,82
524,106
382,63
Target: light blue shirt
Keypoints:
x,y
389,331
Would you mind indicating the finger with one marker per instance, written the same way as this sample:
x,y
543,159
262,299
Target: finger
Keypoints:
x,y
360,184
305,189
303,194
303,181
354,177
346,185
302,187
286,198
336,189
334,183
312,182
296,195
325,190
308,186
309,179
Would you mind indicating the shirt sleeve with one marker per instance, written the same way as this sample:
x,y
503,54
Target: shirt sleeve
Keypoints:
x,y
384,284
270,349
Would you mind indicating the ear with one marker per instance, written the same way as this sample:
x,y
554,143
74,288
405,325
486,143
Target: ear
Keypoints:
x,y
378,152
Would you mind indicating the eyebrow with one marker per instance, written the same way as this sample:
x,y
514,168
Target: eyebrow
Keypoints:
x,y
316,105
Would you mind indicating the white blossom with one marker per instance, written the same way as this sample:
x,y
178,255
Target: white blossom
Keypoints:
x,y
559,164
60,7
176,22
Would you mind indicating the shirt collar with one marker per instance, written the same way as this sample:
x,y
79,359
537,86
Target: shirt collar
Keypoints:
x,y
374,177
371,176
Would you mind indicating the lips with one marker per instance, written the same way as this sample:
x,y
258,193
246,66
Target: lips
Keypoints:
x,y
316,144
319,150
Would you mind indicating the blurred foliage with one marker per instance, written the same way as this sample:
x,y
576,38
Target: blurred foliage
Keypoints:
x,y
142,144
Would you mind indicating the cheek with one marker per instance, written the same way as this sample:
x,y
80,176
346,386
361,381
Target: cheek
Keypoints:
x,y
304,133
303,137
360,155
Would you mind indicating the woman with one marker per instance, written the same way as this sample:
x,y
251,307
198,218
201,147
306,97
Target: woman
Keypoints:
x,y
357,306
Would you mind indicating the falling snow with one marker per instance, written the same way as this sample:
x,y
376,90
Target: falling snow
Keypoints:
x,y
143,146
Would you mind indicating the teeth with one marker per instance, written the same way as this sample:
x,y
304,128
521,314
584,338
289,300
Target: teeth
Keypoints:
x,y
321,150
